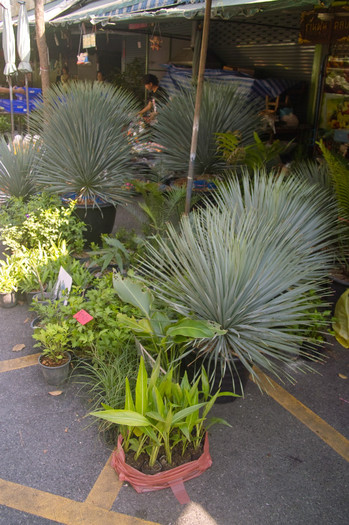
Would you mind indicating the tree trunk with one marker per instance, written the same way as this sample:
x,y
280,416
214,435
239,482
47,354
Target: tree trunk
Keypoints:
x,y
42,45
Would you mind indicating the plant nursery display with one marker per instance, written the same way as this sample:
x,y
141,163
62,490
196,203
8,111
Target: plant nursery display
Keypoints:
x,y
163,423
247,262
160,333
85,153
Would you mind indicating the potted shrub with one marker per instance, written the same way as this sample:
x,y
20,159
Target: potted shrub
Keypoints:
x,y
162,418
8,283
248,262
54,360
86,155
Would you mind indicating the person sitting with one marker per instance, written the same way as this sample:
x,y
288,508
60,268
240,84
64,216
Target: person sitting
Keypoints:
x,y
65,77
156,97
100,77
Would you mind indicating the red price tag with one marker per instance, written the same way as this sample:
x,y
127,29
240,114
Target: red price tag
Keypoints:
x,y
83,317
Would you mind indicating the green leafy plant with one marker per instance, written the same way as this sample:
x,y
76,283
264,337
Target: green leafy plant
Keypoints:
x,y
161,205
162,413
18,165
340,324
102,379
9,277
255,156
246,262
339,173
41,220
40,267
53,339
103,335
160,334
223,109
112,251
85,148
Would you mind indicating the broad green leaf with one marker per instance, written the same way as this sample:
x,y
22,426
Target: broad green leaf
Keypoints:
x,y
141,394
123,417
182,414
215,421
159,401
133,293
129,404
138,326
155,415
341,324
205,384
194,329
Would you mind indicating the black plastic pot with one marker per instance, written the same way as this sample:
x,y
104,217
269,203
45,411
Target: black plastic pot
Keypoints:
x,y
56,375
234,382
98,220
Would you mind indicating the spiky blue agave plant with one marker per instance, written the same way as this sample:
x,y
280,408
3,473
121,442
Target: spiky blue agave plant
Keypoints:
x,y
18,166
223,109
248,262
85,149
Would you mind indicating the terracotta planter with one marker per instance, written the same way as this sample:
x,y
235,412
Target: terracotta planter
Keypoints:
x,y
173,479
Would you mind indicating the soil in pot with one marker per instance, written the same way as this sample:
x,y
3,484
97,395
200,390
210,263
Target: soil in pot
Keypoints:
x,y
161,465
55,373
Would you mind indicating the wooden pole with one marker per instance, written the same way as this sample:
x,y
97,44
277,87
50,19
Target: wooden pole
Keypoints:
x,y
194,137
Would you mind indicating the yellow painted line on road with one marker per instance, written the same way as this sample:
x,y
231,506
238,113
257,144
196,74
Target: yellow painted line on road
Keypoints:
x,y
19,362
317,425
62,510
106,488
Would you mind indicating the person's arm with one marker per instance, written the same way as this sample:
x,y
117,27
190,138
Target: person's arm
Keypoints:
x,y
146,108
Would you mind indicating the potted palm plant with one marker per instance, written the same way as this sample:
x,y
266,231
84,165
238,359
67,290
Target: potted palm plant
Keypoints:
x,y
224,108
86,155
248,262
55,359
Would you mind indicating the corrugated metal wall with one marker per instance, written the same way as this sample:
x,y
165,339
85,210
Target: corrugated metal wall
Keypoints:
x,y
267,43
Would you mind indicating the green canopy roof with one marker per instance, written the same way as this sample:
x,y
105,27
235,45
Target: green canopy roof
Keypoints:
x,y
104,11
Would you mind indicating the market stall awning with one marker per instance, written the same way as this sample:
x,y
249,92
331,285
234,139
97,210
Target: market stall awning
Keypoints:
x,y
51,10
103,11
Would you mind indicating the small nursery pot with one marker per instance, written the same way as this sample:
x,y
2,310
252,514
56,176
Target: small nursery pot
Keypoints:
x,y
55,375
8,300
173,478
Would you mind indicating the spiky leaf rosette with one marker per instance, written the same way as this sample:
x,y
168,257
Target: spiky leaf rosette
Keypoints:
x,y
251,271
85,147
18,165
223,109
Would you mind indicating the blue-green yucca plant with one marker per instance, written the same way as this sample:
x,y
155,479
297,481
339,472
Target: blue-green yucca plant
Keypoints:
x,y
85,150
223,109
18,165
248,262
